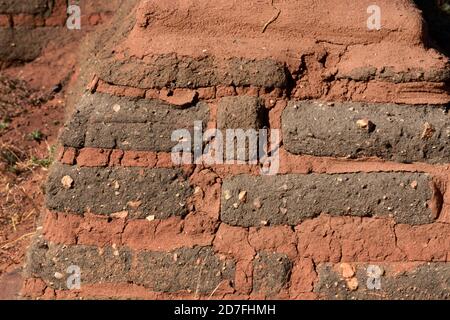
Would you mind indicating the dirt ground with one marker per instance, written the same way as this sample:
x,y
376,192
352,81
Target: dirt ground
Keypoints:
x,y
32,105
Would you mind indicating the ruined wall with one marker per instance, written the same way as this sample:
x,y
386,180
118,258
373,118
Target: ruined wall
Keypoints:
x,y
361,190
27,27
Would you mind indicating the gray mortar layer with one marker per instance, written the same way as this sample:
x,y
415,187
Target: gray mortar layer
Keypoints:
x,y
197,269
105,121
50,262
271,272
162,192
389,74
290,199
24,6
311,128
430,281
170,70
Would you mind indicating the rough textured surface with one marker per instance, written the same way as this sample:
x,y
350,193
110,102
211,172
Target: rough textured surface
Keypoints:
x,y
96,265
394,132
171,70
105,121
241,113
196,270
290,199
424,282
391,75
23,44
271,272
220,230
24,6
158,192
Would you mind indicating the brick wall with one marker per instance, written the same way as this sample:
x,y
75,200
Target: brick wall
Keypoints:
x,y
26,27
360,195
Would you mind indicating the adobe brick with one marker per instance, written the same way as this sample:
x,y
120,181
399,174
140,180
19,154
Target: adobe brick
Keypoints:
x,y
162,192
290,199
403,133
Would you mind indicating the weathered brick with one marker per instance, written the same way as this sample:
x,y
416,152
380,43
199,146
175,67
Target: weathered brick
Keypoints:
x,y
170,70
179,97
244,113
334,239
303,277
195,270
5,21
423,282
104,121
162,192
23,43
404,133
391,75
233,241
271,273
279,239
47,260
121,91
92,157
68,156
241,112
169,234
28,6
206,93
290,199
139,159
115,158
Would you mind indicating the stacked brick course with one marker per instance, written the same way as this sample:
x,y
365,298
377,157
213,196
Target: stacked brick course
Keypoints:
x,y
363,178
27,27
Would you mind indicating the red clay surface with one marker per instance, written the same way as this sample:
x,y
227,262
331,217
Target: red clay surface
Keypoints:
x,y
23,160
161,28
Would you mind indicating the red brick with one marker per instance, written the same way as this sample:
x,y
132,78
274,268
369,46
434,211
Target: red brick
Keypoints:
x,y
222,91
121,91
206,93
23,20
100,231
279,239
33,287
244,276
162,235
429,242
92,157
116,157
178,97
334,239
61,228
302,277
69,156
152,94
233,241
4,21
139,159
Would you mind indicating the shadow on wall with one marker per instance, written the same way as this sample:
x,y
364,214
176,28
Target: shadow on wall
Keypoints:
x,y
437,16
